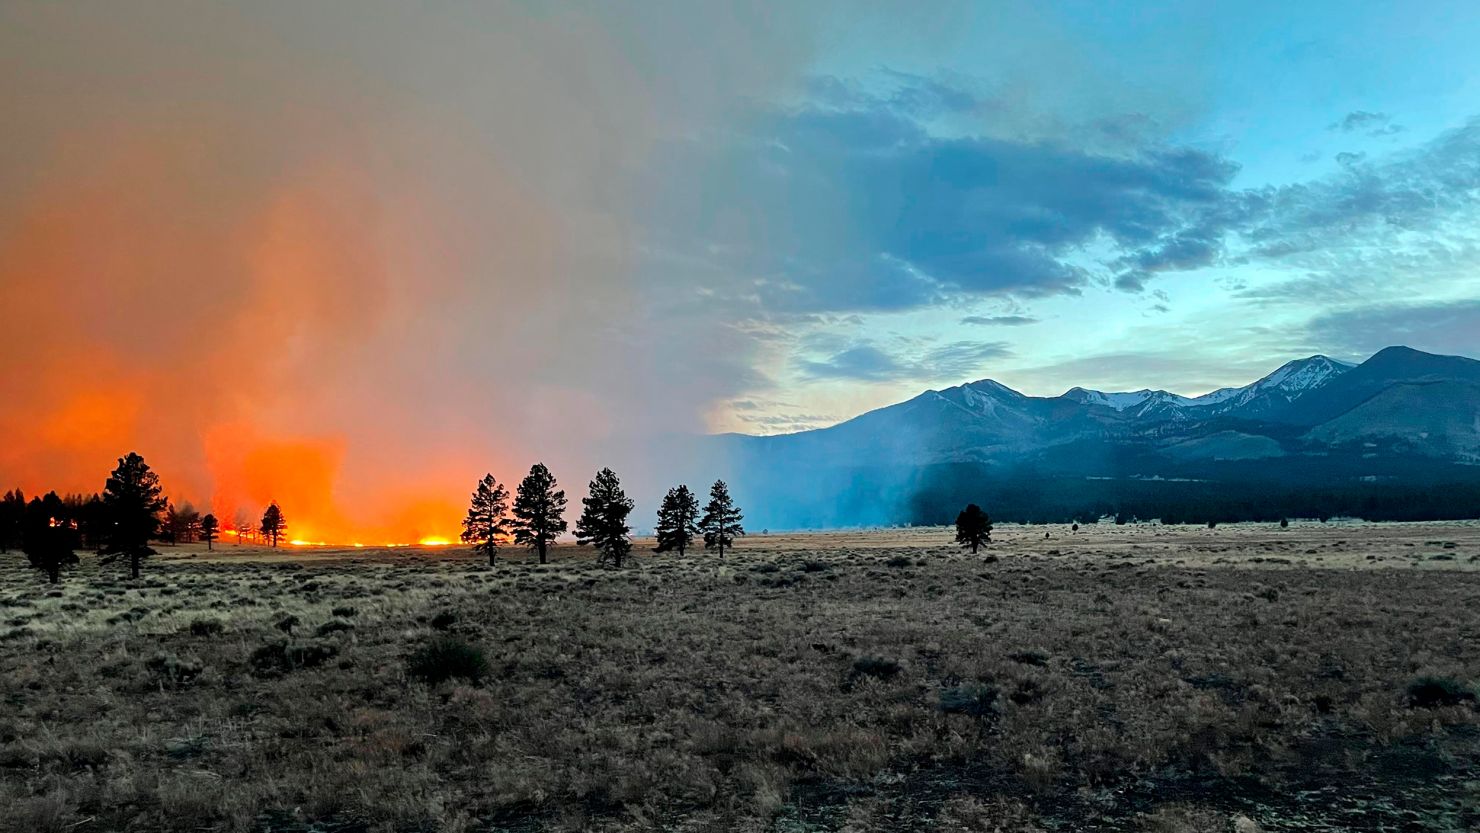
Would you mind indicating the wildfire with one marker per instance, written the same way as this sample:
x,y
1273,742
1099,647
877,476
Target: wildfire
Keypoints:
x,y
434,541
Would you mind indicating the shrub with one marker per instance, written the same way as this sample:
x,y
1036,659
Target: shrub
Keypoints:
x,y
879,667
172,670
444,620
1433,692
973,699
287,623
206,627
898,561
447,659
345,611
282,657
333,626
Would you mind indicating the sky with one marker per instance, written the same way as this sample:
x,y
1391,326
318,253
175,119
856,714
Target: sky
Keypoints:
x,y
351,255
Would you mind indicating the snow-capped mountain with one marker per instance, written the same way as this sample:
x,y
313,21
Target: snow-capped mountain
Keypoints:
x,y
1401,417
1290,382
1282,387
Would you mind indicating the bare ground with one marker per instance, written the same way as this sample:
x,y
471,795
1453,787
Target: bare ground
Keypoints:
x,y
1119,678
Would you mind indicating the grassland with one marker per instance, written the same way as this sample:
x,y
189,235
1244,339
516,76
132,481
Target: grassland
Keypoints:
x,y
1119,678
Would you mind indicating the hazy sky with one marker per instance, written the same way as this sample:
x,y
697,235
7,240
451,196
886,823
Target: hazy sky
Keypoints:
x,y
343,238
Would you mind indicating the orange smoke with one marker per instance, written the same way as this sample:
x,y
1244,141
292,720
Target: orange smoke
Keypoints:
x,y
237,345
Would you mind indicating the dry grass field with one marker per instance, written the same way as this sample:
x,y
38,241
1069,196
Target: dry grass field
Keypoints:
x,y
1120,678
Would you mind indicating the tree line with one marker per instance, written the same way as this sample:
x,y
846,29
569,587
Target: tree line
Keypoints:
x,y
536,517
118,523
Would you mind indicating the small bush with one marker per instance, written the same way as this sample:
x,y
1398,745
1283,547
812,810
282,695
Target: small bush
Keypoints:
x,y
975,700
172,670
345,611
333,626
447,659
898,561
1433,692
206,627
282,657
287,623
1032,656
444,620
879,667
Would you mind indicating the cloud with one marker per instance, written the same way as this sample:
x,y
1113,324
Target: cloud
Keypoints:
x,y
849,202
1372,124
999,320
867,363
1450,328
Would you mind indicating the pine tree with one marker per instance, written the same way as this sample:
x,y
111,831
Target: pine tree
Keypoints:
x,y
538,507
274,524
12,519
721,521
678,520
487,523
48,536
134,502
973,527
603,520
210,529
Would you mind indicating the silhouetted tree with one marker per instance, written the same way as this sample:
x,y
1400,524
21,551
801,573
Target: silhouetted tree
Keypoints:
x,y
48,536
210,529
243,523
274,524
678,520
603,521
12,519
133,501
92,524
181,524
487,523
538,507
973,527
721,521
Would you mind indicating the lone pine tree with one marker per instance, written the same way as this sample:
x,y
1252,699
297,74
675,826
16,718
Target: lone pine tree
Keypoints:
x,y
210,530
487,523
973,527
538,510
133,502
721,521
48,537
274,523
678,520
603,521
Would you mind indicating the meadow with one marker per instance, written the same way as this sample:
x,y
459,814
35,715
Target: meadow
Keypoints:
x,y
1136,678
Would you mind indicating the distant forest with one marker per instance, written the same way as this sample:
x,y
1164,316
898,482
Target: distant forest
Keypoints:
x,y
933,495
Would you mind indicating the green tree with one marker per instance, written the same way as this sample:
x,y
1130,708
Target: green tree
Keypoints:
x,y
133,501
721,521
603,520
487,523
210,530
12,519
973,527
274,523
538,510
48,536
678,520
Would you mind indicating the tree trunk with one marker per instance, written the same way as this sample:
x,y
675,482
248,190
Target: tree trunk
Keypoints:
x,y
492,557
133,565
542,551
974,544
210,545
55,574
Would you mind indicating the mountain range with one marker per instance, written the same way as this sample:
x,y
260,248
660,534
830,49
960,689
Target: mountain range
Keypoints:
x,y
1402,416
